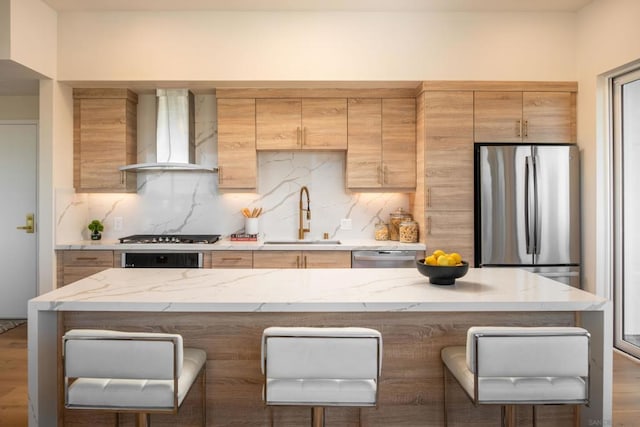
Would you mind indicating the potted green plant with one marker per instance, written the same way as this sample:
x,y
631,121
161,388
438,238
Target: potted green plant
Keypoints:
x,y
96,227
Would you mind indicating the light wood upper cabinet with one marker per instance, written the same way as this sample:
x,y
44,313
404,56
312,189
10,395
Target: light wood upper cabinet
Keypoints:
x,y
324,123
105,133
549,116
237,160
301,124
364,156
302,259
525,117
382,143
399,143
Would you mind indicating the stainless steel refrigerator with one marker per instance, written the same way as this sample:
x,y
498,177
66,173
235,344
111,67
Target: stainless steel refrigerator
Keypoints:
x,y
527,208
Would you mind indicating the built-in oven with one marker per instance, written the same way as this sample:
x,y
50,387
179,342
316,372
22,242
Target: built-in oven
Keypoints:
x,y
165,258
162,259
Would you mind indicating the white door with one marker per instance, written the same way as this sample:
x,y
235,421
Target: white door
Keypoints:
x,y
18,142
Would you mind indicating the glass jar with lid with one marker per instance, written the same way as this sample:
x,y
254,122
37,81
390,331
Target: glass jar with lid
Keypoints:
x,y
395,218
382,231
408,231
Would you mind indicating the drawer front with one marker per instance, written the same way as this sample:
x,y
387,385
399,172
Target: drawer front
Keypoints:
x,y
231,259
89,258
73,274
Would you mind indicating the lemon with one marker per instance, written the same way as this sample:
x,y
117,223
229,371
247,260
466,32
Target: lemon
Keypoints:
x,y
438,253
456,256
445,260
431,260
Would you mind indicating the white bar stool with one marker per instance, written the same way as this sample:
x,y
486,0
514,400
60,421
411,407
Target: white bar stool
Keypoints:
x,y
321,367
521,365
136,372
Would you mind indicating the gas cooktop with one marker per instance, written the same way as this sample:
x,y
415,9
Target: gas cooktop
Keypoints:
x,y
170,238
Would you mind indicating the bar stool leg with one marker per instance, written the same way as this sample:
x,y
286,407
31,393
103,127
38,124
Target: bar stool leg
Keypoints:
x,y
317,416
508,416
143,420
444,397
204,396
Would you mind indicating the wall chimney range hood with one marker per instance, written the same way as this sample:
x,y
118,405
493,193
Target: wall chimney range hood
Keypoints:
x,y
175,134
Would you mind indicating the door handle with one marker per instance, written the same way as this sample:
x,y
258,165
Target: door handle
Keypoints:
x,y
29,226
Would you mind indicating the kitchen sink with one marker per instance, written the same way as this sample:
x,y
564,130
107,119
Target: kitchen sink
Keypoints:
x,y
302,242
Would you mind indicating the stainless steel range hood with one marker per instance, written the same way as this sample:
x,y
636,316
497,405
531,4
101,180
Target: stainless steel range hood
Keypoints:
x,y
175,134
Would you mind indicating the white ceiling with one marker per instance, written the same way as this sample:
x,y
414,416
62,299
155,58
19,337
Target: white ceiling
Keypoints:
x,y
323,5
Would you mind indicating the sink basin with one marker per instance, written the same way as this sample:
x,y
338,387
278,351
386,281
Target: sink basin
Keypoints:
x,y
302,242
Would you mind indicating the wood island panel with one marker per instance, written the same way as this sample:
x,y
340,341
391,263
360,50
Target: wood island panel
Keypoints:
x,y
411,385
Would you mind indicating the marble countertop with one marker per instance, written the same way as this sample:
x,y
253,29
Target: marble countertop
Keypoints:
x,y
226,244
317,290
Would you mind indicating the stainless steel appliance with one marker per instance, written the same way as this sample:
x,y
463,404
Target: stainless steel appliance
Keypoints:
x,y
165,258
527,205
167,238
383,259
162,260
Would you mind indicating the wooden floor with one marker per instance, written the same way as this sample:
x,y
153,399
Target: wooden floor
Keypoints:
x,y
13,383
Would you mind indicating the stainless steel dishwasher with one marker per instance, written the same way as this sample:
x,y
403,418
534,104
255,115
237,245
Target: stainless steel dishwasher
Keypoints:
x,y
383,259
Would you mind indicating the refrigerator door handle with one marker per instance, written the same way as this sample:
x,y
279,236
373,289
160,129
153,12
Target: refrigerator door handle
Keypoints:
x,y
527,225
536,235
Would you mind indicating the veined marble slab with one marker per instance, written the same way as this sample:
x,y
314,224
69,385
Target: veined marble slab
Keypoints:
x,y
287,290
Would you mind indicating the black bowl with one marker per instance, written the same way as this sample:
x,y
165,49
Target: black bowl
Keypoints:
x,y
442,275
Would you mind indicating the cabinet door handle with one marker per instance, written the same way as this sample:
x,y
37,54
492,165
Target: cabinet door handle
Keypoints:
x,y
232,259
385,175
220,178
428,197
525,128
304,136
429,225
518,128
298,136
305,261
86,258
297,261
123,177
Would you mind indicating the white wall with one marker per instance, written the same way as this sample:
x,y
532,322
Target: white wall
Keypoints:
x,y
34,36
19,107
607,38
236,46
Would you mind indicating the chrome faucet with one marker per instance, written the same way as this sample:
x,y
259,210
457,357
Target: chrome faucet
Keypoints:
x,y
301,229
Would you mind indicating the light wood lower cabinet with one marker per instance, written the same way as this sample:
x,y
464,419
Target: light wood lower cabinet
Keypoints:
x,y
302,259
76,265
231,259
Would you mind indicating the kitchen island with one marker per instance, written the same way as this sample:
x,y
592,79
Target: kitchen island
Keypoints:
x,y
225,311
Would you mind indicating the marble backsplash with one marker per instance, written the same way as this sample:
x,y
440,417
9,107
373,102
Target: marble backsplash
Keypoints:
x,y
190,202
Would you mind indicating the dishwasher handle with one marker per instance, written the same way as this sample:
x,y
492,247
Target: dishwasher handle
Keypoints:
x,y
382,256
